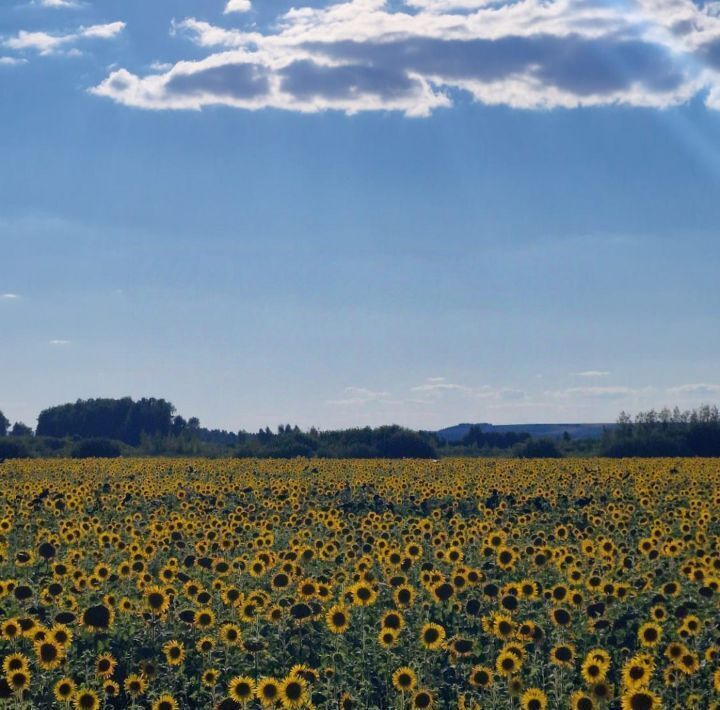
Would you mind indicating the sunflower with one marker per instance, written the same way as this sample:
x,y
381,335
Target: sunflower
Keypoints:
x,y
204,618
602,691
294,693
503,627
640,699
267,691
506,558
165,702
563,655
363,594
210,677
111,688
581,701
636,673
205,644
230,634
241,689
689,663
404,596
19,680
61,634
560,617
392,620
86,699
460,647
649,634
387,638
507,663
11,629
432,636
157,601
593,671
64,690
481,677
50,654
533,699
15,662
309,675
338,619
135,685
691,626
105,665
174,652
423,699
98,618
404,679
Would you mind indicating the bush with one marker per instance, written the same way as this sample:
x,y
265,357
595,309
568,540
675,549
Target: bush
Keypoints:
x,y
13,450
405,444
540,449
51,443
96,449
651,446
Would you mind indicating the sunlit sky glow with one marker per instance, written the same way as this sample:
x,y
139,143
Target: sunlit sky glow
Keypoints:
x,y
330,214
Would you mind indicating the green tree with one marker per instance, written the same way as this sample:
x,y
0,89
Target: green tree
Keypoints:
x,y
4,424
20,429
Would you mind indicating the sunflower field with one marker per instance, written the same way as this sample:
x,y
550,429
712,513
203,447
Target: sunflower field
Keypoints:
x,y
339,584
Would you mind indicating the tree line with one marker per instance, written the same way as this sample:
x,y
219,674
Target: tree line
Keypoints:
x,y
151,427
693,432
106,427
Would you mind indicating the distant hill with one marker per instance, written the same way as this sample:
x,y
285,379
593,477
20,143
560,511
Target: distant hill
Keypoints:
x,y
550,431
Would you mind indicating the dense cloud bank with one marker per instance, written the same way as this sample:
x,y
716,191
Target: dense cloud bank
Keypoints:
x,y
419,56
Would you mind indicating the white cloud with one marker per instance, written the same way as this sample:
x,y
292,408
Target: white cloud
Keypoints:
x,y
238,6
160,66
592,373
45,43
12,61
9,297
59,3
369,55
354,396
593,392
435,386
695,390
59,342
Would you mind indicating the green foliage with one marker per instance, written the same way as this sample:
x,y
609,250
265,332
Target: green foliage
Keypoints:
x,y
149,427
665,433
540,449
20,429
13,450
120,419
96,449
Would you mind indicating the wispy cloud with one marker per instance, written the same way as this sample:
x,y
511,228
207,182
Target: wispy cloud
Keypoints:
x,y
417,56
435,386
354,396
592,373
45,43
617,392
12,61
695,390
238,6
59,341
9,297
438,387
58,3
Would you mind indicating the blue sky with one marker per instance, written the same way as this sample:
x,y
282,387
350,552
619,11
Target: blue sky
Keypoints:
x,y
419,212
